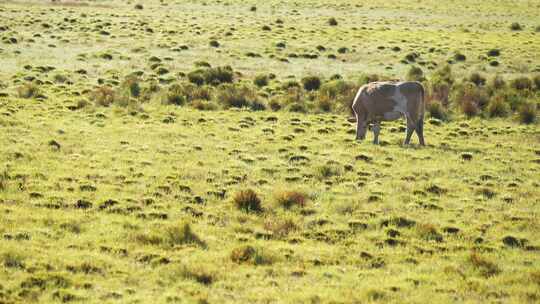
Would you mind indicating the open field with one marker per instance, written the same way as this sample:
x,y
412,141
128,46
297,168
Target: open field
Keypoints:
x,y
91,218
107,38
114,188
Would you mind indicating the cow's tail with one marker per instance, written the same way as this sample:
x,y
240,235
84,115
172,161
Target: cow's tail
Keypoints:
x,y
420,123
422,101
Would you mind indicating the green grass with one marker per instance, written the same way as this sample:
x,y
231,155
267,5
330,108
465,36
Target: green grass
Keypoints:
x,y
391,222
73,38
118,195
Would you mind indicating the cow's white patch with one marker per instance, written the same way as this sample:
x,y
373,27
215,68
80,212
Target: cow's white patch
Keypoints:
x,y
401,102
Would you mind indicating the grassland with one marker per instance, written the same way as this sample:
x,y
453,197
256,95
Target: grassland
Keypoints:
x,y
113,37
139,203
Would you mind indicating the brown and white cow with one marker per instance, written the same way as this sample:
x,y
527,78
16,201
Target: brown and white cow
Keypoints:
x,y
385,101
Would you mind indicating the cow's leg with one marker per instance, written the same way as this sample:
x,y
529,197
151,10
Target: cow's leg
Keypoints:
x,y
358,124
376,132
411,126
420,131
360,127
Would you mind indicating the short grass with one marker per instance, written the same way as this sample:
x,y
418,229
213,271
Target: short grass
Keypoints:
x,y
98,205
109,38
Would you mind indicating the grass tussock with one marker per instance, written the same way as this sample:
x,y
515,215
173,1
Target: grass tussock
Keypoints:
x,y
232,96
212,76
4,179
13,259
311,83
252,256
291,199
521,83
484,266
415,73
247,201
198,274
429,232
535,277
280,227
470,98
181,93
328,171
261,80
437,110
181,235
528,113
28,90
103,96
498,107
170,236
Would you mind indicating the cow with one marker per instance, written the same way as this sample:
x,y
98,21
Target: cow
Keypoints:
x,y
386,101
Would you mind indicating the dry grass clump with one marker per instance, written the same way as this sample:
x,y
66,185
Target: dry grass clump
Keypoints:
x,y
328,171
483,265
440,84
311,83
181,93
12,259
218,75
4,178
261,80
103,96
280,228
175,95
515,26
182,234
28,90
429,232
497,83
470,98
325,104
170,236
332,21
436,110
498,107
211,76
248,201
415,74
203,105
236,96
290,199
521,83
337,95
250,255
198,274
132,86
535,277
477,78
527,113
274,104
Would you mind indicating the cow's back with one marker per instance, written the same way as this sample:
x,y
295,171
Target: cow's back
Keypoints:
x,y
390,100
378,97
